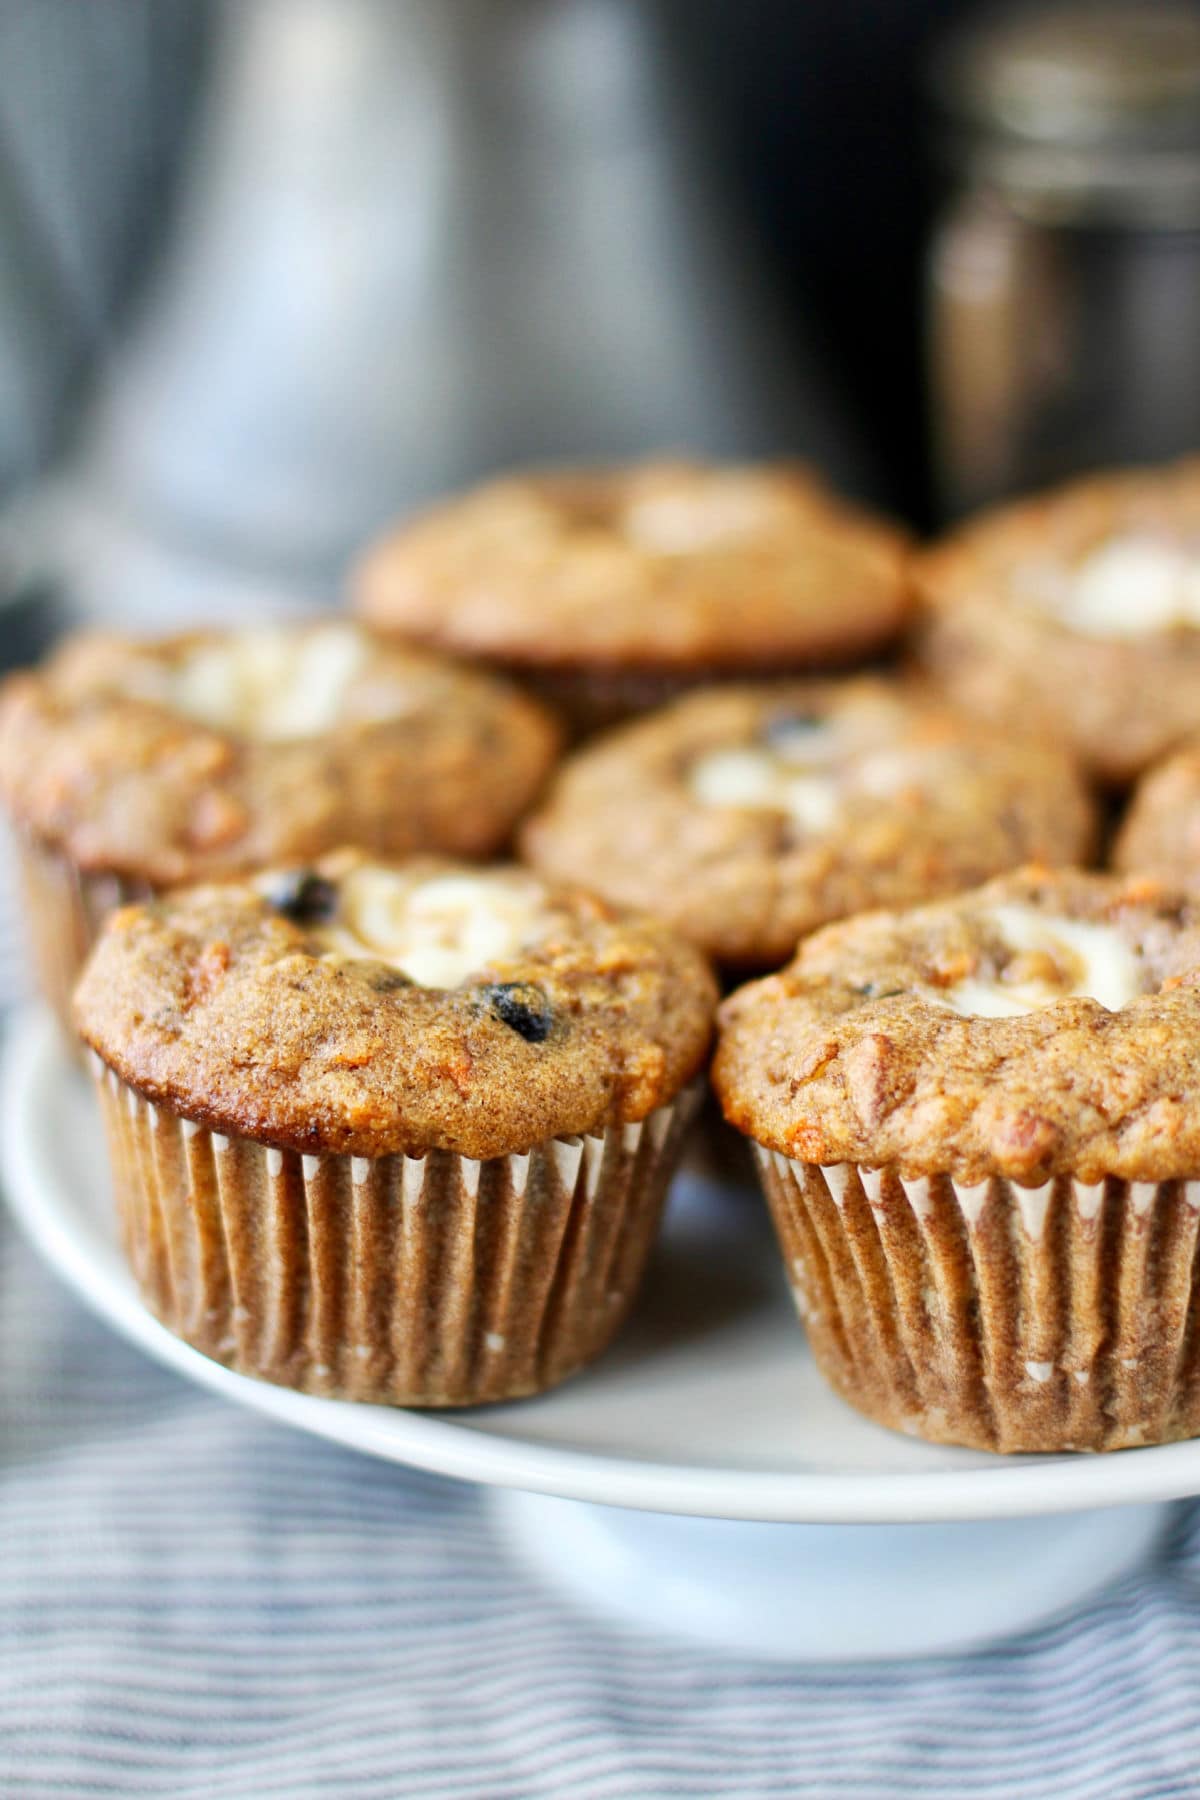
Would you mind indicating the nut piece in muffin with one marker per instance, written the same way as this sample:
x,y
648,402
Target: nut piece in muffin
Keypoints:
x,y
394,1133
613,589
748,816
1160,833
976,1126
1077,613
131,766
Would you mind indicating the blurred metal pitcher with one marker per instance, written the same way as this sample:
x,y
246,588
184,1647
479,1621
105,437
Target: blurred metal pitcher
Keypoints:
x,y
421,239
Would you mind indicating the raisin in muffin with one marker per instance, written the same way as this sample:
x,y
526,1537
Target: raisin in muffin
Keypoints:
x,y
613,589
976,1126
393,1133
130,766
748,816
1077,613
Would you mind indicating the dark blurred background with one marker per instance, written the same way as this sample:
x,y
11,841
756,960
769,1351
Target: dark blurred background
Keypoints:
x,y
819,108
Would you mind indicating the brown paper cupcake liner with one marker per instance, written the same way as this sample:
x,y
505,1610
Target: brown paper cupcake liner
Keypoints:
x,y
65,907
430,1281
1060,1317
593,700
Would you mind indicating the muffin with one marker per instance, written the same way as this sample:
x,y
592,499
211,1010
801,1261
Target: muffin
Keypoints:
x,y
976,1126
748,816
1161,830
128,767
1077,613
393,1133
613,589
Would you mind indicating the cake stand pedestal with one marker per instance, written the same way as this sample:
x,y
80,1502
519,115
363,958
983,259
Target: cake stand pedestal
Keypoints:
x,y
824,1593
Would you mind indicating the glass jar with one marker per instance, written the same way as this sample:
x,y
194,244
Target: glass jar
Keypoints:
x,y
1064,273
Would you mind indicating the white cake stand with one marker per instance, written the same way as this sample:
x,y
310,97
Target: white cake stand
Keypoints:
x,y
700,1479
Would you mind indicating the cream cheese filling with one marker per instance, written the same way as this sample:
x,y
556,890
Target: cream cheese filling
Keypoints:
x,y
1130,586
270,682
806,773
697,517
436,932
1053,958
756,778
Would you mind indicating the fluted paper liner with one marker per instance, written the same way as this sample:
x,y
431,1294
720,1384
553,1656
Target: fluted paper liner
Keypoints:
x,y
594,699
431,1281
65,908
1060,1317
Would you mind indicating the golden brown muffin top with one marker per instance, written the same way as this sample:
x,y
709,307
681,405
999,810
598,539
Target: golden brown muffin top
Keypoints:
x,y
748,816
1077,611
1046,1024
1160,833
1112,555
179,759
663,565
366,1009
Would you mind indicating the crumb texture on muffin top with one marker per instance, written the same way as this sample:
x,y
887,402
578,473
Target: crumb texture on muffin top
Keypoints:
x,y
358,1008
749,816
1047,1023
213,752
1079,611
1160,833
662,565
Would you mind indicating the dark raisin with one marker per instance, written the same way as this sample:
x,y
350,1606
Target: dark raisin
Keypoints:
x,y
522,1008
783,730
303,897
387,981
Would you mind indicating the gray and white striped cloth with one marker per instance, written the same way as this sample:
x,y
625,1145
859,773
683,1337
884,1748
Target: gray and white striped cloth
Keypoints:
x,y
195,1603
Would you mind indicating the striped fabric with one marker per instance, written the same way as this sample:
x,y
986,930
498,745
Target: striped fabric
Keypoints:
x,y
197,1604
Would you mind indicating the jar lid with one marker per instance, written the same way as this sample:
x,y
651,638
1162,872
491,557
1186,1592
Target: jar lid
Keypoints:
x,y
1091,101
1078,72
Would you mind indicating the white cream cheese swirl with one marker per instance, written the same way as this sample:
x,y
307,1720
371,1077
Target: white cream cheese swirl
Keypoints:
x,y
436,932
1053,958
